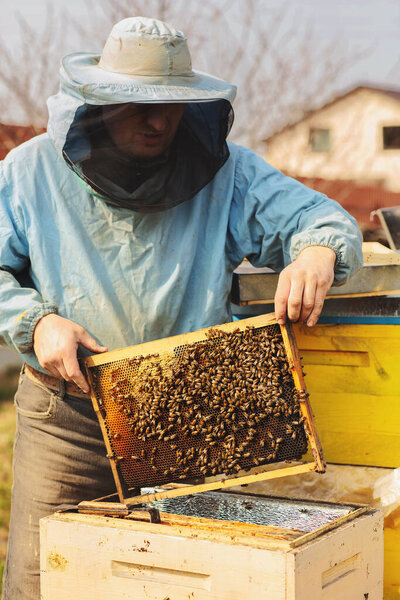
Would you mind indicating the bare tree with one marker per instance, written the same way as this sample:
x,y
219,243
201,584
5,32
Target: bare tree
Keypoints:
x,y
27,72
262,51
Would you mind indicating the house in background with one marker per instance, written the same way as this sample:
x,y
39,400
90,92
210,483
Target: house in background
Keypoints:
x,y
348,149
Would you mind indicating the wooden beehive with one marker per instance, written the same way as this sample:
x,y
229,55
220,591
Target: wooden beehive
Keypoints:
x,y
88,557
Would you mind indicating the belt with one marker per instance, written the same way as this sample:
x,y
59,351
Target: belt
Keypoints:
x,y
54,383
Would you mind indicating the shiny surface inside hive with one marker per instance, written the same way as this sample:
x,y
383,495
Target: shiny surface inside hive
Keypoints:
x,y
221,405
257,510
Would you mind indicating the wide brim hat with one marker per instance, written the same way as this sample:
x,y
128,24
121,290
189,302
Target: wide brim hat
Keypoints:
x,y
143,60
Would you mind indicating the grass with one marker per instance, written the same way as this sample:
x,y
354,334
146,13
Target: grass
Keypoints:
x,y
8,384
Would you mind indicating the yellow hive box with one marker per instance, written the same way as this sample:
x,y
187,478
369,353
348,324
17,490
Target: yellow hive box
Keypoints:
x,y
353,377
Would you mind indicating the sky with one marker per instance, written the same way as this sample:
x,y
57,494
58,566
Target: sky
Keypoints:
x,y
373,24
369,29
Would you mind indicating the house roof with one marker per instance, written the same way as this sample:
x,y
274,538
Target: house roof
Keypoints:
x,y
13,135
358,200
391,92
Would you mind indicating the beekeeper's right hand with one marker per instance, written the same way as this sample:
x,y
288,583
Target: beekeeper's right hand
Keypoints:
x,y
55,342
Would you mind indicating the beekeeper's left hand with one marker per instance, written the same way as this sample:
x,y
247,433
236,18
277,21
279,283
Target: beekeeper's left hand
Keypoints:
x,y
303,285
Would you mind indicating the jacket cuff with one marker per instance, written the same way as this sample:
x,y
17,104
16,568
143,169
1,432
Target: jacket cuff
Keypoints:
x,y
27,323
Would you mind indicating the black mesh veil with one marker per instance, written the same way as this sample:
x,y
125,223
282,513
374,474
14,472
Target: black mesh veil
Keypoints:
x,y
195,155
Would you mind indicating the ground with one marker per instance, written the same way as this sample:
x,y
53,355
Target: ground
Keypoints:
x,y
8,383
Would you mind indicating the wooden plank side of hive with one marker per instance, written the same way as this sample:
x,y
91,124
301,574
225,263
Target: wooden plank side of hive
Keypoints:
x,y
88,561
346,563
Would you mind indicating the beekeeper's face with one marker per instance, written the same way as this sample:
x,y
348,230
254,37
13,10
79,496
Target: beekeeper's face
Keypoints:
x,y
143,131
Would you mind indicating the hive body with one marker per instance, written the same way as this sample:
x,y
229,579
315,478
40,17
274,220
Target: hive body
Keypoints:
x,y
86,557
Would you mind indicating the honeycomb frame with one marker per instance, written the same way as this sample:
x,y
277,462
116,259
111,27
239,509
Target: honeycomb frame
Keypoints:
x,y
189,431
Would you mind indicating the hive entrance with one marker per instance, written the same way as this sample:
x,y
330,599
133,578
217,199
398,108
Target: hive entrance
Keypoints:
x,y
221,404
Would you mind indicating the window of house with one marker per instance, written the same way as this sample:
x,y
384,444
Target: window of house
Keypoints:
x,y
320,140
391,137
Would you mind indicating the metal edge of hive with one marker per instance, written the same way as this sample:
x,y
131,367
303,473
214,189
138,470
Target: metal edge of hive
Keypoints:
x,y
229,527
312,535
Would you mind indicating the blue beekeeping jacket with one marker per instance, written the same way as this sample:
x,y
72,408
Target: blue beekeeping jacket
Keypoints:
x,y
128,277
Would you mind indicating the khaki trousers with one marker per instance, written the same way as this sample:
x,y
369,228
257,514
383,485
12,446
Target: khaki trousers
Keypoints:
x,y
59,458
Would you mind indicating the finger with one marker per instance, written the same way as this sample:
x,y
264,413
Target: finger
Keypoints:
x,y
281,297
61,370
74,373
295,299
310,289
90,343
318,304
52,369
50,365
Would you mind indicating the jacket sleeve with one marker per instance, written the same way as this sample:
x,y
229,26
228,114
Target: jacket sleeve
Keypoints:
x,y
273,217
20,307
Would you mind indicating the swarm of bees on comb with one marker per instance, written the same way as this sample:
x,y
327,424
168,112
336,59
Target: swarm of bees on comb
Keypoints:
x,y
217,406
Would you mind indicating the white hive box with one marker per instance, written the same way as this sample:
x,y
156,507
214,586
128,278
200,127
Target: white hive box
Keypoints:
x,y
87,557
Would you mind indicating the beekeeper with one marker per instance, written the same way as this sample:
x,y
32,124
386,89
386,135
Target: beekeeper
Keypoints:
x,y
123,224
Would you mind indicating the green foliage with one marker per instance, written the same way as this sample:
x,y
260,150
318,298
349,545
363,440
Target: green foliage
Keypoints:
x,y
8,384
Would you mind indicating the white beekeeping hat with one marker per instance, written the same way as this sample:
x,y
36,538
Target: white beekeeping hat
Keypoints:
x,y
143,60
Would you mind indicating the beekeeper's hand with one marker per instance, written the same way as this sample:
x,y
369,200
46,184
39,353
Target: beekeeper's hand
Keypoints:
x,y
55,342
303,285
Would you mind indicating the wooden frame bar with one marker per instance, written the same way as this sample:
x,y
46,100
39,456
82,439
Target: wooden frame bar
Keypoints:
x,y
176,340
298,378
